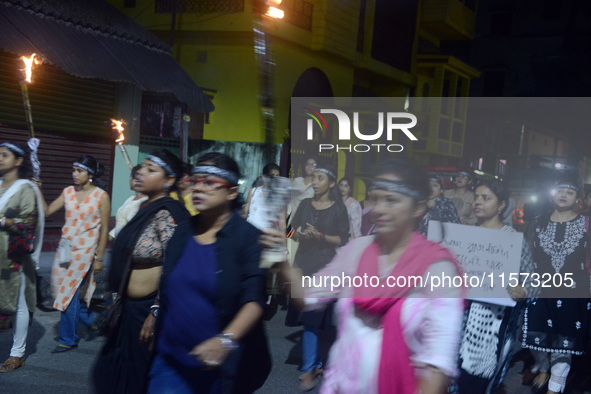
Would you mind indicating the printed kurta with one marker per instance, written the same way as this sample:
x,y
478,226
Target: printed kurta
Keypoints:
x,y
443,211
559,325
489,332
82,229
463,203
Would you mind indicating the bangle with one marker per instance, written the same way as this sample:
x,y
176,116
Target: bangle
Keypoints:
x,y
228,341
154,310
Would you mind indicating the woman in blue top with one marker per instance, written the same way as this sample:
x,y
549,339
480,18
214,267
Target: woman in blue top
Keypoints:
x,y
210,337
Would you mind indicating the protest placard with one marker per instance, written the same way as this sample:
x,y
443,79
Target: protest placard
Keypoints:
x,y
488,257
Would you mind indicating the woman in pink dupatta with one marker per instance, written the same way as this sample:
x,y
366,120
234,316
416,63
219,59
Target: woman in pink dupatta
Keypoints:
x,y
390,339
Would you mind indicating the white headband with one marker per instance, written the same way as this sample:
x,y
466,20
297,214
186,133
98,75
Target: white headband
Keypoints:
x,y
216,171
567,186
14,148
161,163
80,165
327,172
397,187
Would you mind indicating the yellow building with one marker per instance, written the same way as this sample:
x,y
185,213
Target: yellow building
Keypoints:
x,y
339,48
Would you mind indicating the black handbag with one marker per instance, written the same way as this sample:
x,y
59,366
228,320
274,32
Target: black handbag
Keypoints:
x,y
109,320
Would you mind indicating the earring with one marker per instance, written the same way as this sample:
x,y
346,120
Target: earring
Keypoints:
x,y
90,180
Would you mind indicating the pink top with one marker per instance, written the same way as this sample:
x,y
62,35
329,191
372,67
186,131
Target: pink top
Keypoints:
x,y
431,326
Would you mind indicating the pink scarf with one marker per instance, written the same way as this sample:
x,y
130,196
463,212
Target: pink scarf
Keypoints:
x,y
396,374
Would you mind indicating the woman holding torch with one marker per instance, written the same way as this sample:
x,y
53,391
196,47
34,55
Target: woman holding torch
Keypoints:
x,y
82,246
19,212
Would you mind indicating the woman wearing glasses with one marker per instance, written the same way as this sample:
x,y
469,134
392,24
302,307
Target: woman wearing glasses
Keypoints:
x,y
141,249
210,337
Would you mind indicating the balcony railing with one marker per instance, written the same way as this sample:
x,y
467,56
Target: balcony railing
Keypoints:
x,y
298,13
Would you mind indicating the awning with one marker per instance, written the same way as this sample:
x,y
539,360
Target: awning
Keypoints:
x,y
92,39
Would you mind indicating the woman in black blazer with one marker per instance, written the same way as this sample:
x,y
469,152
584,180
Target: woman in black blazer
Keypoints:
x,y
210,337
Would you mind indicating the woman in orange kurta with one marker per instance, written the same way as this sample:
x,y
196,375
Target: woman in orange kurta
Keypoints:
x,y
82,245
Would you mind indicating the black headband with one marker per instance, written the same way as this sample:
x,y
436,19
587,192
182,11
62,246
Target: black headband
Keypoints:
x,y
229,176
397,187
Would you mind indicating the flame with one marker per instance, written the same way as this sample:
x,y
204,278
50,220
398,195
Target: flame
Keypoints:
x,y
29,66
117,125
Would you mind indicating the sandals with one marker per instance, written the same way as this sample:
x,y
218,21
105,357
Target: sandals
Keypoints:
x,y
317,372
11,364
63,348
309,380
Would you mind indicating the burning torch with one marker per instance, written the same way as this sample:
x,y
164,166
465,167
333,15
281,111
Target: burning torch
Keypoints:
x,y
33,142
117,125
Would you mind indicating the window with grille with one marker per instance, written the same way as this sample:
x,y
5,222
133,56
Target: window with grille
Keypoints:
x,y
163,116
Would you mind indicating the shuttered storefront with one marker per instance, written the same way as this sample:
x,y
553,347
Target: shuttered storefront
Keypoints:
x,y
70,116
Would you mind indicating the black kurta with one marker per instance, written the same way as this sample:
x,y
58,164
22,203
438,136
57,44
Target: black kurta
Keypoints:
x,y
559,325
313,255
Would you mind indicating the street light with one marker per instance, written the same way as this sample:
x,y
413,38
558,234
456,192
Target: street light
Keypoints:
x,y
266,66
274,11
269,8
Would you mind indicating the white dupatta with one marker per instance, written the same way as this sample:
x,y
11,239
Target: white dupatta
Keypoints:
x,y
40,213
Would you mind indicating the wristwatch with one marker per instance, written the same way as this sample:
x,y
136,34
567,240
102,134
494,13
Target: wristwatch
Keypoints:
x,y
228,341
154,312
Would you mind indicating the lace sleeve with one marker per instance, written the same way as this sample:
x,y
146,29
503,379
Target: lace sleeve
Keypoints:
x,y
165,226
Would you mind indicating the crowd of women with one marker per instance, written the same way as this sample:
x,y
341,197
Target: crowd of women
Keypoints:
x,y
191,292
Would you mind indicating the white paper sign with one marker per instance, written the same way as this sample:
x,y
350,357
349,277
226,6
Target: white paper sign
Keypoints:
x,y
487,256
